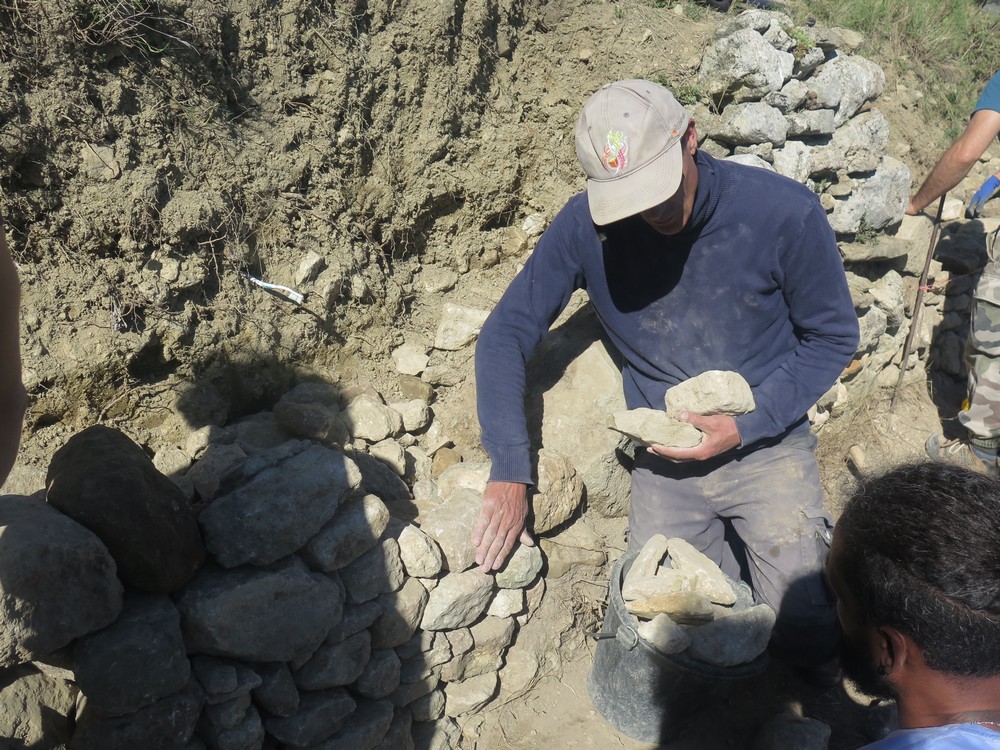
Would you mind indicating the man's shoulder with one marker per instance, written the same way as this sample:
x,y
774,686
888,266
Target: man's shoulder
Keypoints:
x,y
990,98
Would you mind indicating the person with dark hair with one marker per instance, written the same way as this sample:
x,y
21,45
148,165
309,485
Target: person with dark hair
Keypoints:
x,y
915,568
13,399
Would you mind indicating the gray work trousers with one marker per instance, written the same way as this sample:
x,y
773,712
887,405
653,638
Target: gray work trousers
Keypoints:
x,y
772,502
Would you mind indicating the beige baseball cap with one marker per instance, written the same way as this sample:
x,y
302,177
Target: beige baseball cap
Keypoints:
x,y
628,141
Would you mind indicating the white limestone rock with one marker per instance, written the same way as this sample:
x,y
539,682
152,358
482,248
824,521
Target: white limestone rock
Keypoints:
x,y
458,600
521,568
420,554
459,326
367,418
711,392
470,695
559,491
451,524
410,358
648,559
710,581
665,635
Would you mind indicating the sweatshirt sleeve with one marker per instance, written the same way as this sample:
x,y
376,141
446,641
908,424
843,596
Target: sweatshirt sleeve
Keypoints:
x,y
519,321
814,286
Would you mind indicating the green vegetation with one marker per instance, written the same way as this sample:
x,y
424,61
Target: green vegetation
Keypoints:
x,y
686,93
867,234
951,46
803,42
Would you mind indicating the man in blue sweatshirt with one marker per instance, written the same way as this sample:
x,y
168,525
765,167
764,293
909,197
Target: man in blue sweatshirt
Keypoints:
x,y
691,264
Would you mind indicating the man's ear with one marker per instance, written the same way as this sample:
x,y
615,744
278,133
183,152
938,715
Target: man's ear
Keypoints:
x,y
896,650
691,137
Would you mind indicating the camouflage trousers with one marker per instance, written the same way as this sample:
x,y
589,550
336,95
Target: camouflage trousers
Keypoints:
x,y
982,354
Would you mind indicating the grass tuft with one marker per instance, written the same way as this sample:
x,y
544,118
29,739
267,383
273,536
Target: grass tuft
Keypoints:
x,y
952,46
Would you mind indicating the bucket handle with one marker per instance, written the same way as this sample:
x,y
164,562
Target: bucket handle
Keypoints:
x,y
627,637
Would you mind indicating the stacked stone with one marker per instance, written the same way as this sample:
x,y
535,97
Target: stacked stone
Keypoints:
x,y
314,603
680,601
797,100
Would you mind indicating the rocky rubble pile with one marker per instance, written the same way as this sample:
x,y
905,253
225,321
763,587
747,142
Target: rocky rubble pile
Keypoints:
x,y
311,603
797,100
681,601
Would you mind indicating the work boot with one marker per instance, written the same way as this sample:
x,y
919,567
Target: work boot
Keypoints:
x,y
961,452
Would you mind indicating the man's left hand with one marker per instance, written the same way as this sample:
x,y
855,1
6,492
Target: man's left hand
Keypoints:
x,y
720,432
978,200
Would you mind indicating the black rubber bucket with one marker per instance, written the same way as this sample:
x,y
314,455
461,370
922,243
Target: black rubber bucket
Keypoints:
x,y
647,695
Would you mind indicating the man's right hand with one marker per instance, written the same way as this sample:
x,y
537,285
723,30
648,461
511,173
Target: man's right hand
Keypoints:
x,y
501,524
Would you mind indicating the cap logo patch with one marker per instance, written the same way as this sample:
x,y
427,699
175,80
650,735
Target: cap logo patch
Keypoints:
x,y
615,151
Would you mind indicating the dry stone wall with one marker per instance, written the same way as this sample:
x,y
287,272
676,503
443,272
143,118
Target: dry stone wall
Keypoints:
x,y
319,604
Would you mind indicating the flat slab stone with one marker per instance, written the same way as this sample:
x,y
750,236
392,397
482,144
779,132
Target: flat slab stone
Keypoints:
x,y
644,587
647,562
279,509
470,695
710,581
683,606
233,612
654,427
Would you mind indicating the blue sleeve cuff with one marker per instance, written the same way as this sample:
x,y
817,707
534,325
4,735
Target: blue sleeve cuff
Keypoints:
x,y
510,464
753,426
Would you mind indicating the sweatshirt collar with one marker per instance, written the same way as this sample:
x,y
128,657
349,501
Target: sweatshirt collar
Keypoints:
x,y
706,197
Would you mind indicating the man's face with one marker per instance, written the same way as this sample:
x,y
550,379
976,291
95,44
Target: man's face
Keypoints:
x,y
858,653
671,216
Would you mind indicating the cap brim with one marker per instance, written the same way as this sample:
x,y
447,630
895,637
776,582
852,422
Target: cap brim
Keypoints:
x,y
616,198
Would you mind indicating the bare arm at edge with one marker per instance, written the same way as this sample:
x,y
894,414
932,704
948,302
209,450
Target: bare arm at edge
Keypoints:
x,y
956,162
13,399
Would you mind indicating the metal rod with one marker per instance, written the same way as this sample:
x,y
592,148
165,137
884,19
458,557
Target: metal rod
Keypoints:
x,y
918,303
